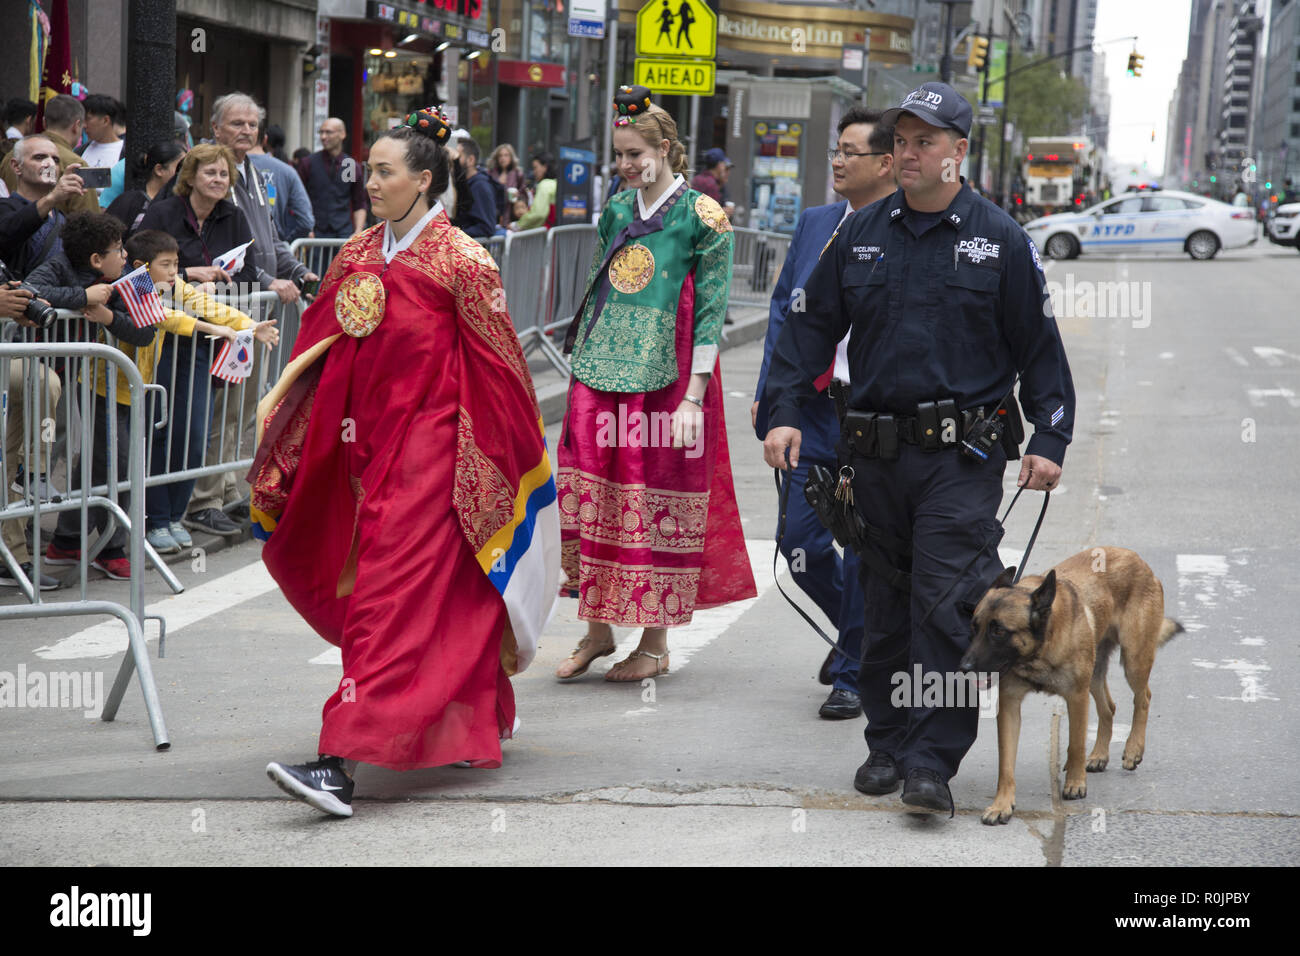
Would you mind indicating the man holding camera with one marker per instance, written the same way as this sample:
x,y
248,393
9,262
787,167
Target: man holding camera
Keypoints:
x,y
19,304
64,119
31,217
947,305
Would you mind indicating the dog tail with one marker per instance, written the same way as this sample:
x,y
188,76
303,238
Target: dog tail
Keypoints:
x,y
1168,628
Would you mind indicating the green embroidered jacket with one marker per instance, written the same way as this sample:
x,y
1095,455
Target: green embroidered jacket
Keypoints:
x,y
633,346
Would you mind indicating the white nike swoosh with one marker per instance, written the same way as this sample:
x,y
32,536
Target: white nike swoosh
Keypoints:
x,y
326,786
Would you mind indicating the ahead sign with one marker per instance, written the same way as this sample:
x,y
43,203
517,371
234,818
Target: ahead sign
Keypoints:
x,y
677,77
677,28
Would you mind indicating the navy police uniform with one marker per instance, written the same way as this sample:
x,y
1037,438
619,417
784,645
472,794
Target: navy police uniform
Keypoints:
x,y
942,306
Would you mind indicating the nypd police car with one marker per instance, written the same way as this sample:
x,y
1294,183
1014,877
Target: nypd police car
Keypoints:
x,y
1284,227
1146,222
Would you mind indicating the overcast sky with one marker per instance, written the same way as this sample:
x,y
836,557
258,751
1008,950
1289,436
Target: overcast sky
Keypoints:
x,y
1140,104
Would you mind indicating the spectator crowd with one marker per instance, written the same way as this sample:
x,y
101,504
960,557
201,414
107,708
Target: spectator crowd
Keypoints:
x,y
176,210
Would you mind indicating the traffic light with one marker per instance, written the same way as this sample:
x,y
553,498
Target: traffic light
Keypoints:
x,y
1135,64
979,52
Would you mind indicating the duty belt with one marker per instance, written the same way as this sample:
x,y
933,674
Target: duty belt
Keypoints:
x,y
877,434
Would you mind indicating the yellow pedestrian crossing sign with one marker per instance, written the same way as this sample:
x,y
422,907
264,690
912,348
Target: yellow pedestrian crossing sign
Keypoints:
x,y
677,28
676,77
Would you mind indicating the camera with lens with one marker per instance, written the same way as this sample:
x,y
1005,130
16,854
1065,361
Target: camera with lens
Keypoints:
x,y
37,312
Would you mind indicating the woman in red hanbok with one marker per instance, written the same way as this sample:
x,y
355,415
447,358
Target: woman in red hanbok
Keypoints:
x,y
403,469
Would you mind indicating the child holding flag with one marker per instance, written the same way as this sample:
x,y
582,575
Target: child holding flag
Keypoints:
x,y
188,385
78,278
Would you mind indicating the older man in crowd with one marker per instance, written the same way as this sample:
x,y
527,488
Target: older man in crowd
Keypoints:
x,y
236,119
64,118
31,216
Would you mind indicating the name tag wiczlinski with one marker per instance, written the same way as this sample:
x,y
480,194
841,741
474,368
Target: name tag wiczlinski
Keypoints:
x,y
866,253
978,249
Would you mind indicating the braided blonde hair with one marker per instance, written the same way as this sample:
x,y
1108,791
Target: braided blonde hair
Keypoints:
x,y
656,125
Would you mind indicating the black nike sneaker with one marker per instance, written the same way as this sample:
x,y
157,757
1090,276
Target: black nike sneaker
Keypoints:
x,y
323,784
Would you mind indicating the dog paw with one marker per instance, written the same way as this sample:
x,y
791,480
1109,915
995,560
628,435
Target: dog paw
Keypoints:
x,y
1131,761
995,815
1097,764
1074,791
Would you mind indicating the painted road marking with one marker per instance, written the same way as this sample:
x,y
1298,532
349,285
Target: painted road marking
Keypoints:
x,y
109,637
1205,581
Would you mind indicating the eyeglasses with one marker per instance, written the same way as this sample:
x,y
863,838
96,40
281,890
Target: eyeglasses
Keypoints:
x,y
834,154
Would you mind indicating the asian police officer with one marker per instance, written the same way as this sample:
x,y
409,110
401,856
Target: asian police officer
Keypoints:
x,y
946,303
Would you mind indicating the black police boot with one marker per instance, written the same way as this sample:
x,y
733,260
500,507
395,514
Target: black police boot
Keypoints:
x,y
824,675
927,791
841,705
878,775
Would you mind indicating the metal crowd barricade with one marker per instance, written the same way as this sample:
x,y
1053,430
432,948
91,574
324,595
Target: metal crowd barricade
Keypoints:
x,y
496,247
756,265
233,408
316,254
568,261
83,362
523,271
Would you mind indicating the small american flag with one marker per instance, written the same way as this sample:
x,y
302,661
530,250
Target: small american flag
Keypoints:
x,y
234,361
137,291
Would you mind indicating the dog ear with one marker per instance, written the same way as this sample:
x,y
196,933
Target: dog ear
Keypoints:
x,y
1004,579
1040,603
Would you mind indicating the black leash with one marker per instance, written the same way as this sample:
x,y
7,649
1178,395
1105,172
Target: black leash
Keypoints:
x,y
783,489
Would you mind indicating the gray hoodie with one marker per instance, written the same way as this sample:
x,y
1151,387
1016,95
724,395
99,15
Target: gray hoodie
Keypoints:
x,y
270,253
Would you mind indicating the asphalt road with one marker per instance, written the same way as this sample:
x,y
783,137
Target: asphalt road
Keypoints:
x,y
1185,450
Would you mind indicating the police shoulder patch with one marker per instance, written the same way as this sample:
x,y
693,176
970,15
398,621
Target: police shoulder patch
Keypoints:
x,y
1033,251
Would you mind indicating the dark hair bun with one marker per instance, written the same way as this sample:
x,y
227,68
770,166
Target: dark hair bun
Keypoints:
x,y
629,103
432,122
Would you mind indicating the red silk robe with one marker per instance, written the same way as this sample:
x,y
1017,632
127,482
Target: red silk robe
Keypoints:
x,y
391,461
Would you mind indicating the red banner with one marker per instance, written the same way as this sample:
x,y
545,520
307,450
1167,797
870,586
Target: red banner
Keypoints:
x,y
57,77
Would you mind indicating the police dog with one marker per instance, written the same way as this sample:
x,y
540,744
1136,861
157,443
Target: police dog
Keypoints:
x,y
1055,634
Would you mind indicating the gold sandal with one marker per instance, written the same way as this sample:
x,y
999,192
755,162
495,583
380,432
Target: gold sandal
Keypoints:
x,y
578,650
661,666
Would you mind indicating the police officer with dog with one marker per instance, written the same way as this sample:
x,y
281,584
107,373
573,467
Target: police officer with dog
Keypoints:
x,y
947,305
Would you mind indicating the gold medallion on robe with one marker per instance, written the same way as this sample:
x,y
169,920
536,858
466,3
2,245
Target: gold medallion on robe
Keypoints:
x,y
632,268
713,215
359,304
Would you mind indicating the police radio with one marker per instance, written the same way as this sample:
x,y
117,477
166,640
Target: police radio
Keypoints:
x,y
1004,426
981,438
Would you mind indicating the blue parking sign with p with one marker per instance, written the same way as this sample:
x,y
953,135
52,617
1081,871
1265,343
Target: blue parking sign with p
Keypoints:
x,y
575,173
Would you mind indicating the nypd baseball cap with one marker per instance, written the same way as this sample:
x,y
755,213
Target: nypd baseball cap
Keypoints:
x,y
937,104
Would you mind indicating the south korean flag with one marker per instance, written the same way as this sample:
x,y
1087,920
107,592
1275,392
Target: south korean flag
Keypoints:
x,y
234,361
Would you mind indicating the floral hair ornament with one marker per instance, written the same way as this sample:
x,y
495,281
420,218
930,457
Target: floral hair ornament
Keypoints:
x,y
431,122
630,103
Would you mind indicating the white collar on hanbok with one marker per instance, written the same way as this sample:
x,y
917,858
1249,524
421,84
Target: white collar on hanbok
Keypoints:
x,y
393,246
677,182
